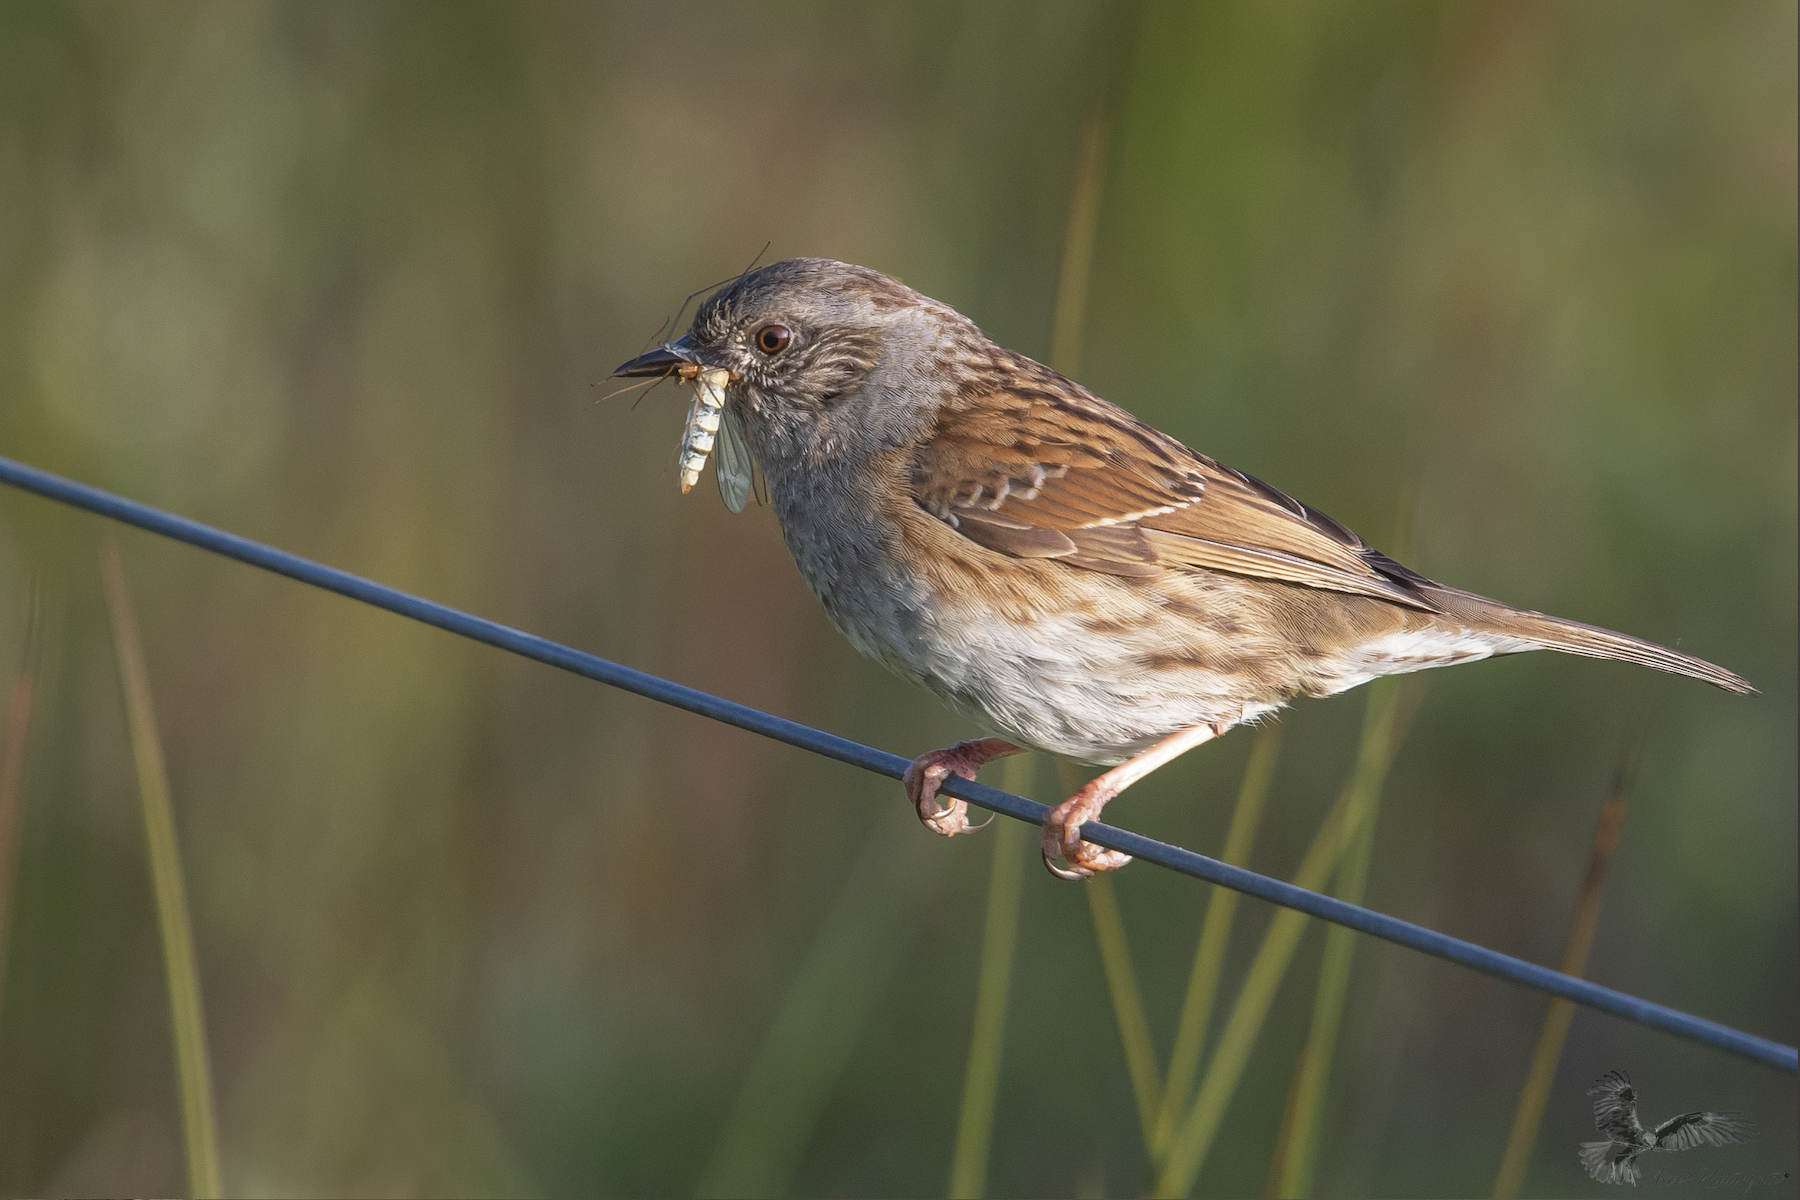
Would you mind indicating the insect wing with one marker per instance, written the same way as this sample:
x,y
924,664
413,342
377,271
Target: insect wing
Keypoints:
x,y
737,471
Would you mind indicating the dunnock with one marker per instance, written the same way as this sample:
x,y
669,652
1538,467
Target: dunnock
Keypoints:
x,y
1049,565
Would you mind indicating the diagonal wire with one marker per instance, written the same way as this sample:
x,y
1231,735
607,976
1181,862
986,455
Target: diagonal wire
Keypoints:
x,y
590,666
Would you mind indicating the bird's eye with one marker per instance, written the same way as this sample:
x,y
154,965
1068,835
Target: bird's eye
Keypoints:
x,y
773,339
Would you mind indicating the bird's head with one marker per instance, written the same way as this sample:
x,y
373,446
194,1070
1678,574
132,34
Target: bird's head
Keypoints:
x,y
828,362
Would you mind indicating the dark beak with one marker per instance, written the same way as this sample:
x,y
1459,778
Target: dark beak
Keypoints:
x,y
666,359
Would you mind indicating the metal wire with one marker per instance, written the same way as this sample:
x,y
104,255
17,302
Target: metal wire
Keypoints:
x,y
1657,1016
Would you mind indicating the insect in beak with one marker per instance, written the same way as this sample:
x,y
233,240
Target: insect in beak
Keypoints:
x,y
702,420
707,421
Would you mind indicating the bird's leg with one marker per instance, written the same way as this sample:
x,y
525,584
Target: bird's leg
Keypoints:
x,y
929,770
1062,824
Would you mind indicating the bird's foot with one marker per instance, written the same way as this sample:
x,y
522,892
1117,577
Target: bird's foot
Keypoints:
x,y
1062,834
930,770
1062,824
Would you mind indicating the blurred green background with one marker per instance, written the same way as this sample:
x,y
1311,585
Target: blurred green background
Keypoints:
x,y
349,278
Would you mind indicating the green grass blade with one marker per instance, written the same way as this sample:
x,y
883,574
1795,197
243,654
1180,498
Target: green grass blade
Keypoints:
x,y
1533,1097
1272,1186
1000,935
1189,1147
1536,1093
193,1075
1121,983
1078,248
12,767
826,1007
1300,1140
1215,933
1127,1000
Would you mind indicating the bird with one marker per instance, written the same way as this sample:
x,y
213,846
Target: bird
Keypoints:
x,y
1615,1115
1060,573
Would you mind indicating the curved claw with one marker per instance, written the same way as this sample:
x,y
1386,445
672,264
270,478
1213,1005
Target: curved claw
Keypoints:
x,y
982,826
1060,873
932,824
926,772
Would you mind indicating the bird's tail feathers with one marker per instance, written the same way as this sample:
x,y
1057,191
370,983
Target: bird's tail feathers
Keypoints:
x,y
1611,1162
1546,632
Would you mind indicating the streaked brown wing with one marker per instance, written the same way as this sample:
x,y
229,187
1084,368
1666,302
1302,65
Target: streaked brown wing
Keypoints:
x,y
1038,467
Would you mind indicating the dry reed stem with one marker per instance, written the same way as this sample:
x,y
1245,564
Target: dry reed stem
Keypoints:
x,y
1536,1093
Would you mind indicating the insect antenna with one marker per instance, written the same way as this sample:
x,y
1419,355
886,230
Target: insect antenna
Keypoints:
x,y
754,261
672,323
636,383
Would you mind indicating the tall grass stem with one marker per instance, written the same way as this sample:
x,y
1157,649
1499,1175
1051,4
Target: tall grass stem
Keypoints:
x,y
815,1028
1193,1139
192,1071
1078,248
1121,982
999,940
1215,934
1127,999
1299,1141
13,740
